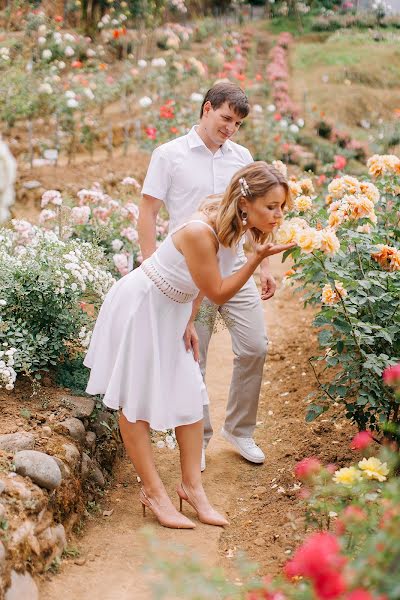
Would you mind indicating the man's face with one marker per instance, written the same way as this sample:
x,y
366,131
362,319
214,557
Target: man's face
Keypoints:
x,y
222,123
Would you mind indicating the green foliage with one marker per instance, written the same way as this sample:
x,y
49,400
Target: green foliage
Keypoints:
x,y
72,374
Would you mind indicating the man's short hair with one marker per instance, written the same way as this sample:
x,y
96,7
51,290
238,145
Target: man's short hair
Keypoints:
x,y
230,93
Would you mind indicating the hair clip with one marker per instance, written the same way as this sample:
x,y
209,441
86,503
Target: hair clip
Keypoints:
x,y
244,187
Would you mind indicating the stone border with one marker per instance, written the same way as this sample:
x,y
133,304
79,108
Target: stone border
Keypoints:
x,y
43,493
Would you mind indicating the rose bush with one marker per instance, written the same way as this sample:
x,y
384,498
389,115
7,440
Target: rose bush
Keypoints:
x,y
44,282
347,264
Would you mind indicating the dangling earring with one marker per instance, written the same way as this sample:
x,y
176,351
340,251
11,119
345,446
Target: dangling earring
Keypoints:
x,y
244,218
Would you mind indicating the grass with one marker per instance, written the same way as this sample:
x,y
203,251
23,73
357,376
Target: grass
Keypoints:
x,y
348,78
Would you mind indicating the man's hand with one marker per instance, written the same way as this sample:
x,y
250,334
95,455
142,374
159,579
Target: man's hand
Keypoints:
x,y
268,284
191,340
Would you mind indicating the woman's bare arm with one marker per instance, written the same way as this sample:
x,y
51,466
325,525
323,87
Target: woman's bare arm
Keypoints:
x,y
200,250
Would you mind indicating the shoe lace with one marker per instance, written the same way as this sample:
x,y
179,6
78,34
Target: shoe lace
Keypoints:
x,y
249,443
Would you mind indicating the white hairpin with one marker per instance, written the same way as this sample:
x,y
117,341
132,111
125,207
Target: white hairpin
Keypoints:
x,y
244,187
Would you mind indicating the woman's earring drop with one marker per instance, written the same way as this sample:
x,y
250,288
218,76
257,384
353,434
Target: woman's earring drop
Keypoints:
x,y
244,218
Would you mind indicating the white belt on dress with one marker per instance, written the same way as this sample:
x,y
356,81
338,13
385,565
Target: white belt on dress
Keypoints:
x,y
162,284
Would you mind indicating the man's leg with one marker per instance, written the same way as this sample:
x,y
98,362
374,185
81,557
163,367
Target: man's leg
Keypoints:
x,y
204,326
249,343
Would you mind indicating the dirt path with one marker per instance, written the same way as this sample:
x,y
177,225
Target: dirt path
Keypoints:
x,y
267,518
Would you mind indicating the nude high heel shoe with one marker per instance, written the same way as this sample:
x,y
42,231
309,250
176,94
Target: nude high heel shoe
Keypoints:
x,y
174,521
210,517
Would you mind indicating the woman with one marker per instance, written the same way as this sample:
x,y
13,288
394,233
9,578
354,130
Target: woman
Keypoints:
x,y
143,353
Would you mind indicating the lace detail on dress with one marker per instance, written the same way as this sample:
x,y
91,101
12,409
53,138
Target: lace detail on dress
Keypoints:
x,y
162,284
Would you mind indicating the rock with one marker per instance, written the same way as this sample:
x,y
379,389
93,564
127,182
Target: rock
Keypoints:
x,y
90,439
53,540
103,417
13,442
65,471
260,490
86,466
259,542
46,430
89,470
97,476
2,487
40,467
19,535
22,586
31,185
2,555
81,406
72,454
44,521
80,561
17,487
75,429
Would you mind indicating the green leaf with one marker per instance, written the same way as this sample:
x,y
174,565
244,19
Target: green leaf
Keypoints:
x,y
314,411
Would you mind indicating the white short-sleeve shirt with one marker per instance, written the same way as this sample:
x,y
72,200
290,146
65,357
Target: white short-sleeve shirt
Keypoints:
x,y
184,171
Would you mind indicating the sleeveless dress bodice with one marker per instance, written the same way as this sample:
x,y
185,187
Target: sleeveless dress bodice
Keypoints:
x,y
168,269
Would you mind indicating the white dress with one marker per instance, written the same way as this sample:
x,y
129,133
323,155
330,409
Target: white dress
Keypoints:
x,y
137,354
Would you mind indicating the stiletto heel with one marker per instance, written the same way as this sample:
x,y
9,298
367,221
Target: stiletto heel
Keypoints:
x,y
211,517
176,521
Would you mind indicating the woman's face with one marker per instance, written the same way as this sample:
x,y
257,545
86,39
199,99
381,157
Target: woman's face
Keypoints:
x,y
266,212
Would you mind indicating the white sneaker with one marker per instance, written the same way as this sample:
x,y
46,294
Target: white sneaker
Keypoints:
x,y
246,447
203,460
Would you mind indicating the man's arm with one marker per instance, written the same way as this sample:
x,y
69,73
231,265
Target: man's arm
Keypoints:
x,y
148,211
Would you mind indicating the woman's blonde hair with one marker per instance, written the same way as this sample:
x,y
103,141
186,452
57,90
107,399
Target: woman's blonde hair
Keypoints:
x,y
224,212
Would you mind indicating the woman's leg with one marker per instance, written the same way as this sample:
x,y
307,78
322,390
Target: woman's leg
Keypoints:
x,y
136,438
190,439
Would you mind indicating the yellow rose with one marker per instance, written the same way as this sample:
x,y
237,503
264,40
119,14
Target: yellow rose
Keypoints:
x,y
373,468
295,188
351,184
360,206
287,233
328,296
303,203
329,241
369,190
336,188
307,186
347,476
309,240
335,219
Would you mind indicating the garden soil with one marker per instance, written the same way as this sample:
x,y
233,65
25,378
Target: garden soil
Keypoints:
x,y
261,501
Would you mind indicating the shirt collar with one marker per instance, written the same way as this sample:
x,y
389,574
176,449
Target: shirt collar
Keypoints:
x,y
195,141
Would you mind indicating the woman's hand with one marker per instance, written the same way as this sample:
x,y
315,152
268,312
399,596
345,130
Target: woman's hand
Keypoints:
x,y
269,249
191,340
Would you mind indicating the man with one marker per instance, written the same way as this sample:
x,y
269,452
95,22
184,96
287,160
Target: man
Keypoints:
x,y
181,174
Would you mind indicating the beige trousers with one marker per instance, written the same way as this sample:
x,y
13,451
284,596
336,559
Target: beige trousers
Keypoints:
x,y
244,317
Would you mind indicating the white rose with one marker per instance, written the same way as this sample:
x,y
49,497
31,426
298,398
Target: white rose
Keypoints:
x,y
142,63
69,51
47,54
41,41
72,103
145,101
